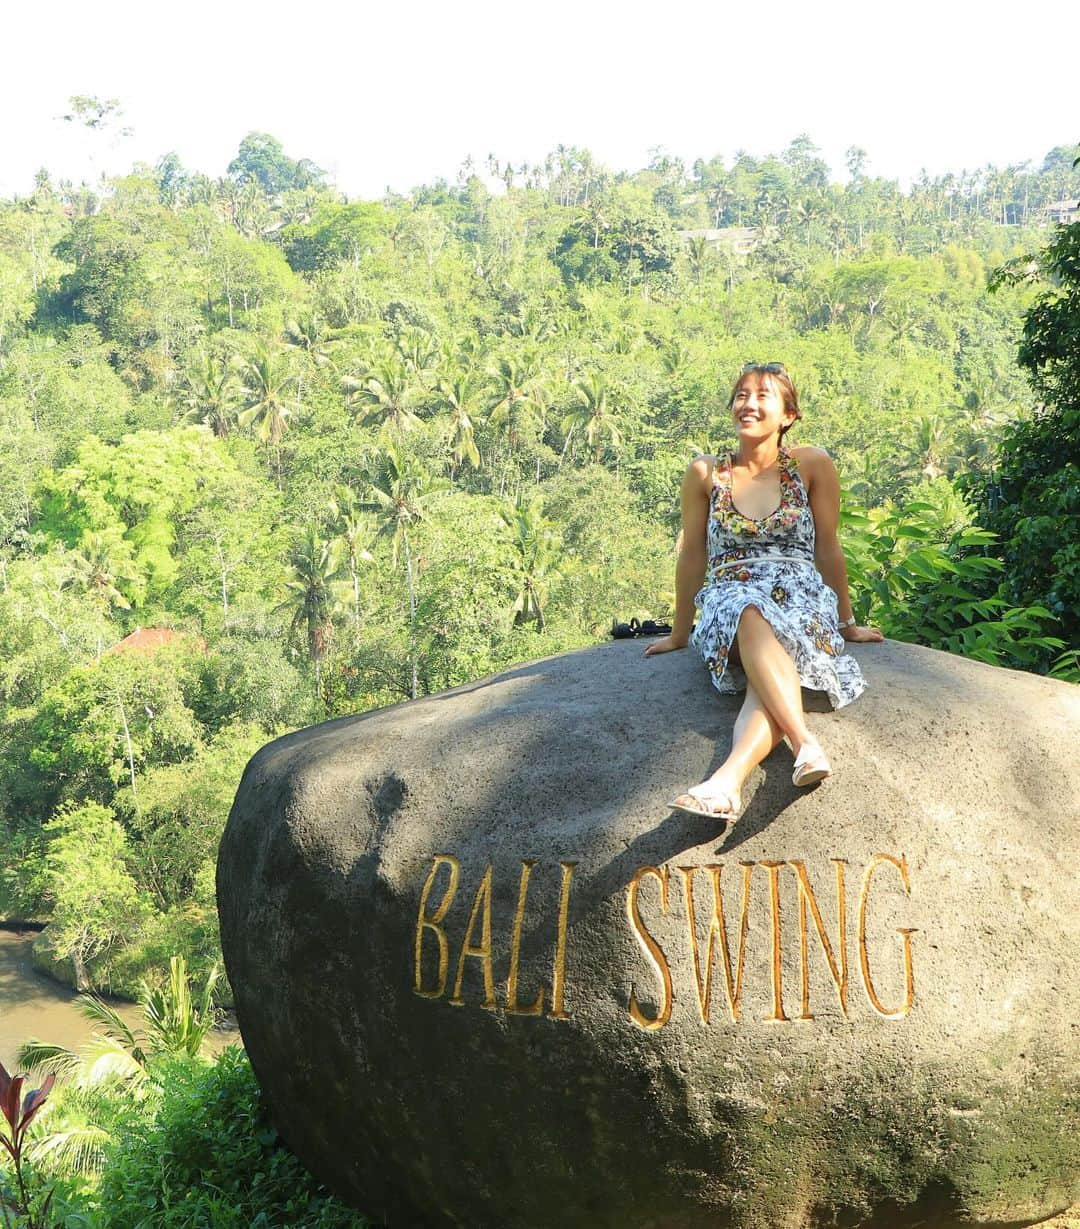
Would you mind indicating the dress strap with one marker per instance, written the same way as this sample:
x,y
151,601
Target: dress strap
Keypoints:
x,y
719,466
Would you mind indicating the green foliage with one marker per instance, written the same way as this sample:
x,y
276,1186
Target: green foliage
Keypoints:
x,y
335,234
209,1156
261,159
103,723
113,1077
133,496
177,816
1033,500
921,572
95,902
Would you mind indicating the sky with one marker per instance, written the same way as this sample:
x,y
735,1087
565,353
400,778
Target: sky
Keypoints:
x,y
395,95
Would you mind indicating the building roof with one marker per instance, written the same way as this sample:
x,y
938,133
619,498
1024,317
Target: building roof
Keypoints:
x,y
150,639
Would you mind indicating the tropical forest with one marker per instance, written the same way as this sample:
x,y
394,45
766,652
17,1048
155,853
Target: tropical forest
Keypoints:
x,y
270,456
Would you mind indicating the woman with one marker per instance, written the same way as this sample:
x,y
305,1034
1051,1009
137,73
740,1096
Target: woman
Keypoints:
x,y
764,520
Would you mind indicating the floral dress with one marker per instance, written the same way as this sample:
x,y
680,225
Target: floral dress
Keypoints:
x,y
769,563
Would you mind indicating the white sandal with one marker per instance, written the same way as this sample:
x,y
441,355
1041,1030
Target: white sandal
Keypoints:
x,y
706,793
811,765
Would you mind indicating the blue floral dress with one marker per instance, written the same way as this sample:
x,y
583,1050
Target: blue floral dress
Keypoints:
x,y
769,563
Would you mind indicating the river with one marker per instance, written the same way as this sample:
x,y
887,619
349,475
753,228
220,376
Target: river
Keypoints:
x,y
34,1006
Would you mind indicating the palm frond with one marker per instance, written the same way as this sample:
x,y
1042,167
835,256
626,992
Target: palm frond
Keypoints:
x,y
49,1059
111,1024
78,1149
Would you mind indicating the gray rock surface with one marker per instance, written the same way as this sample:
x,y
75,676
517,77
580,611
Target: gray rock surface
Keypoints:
x,y
457,931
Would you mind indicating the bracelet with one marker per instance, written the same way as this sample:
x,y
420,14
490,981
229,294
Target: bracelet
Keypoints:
x,y
847,623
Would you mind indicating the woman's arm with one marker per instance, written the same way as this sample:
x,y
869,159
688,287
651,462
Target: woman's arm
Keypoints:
x,y
693,554
823,488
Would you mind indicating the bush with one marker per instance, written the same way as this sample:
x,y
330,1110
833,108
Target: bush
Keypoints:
x,y
208,1156
925,574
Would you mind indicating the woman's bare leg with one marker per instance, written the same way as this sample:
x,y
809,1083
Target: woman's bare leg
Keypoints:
x,y
754,736
772,674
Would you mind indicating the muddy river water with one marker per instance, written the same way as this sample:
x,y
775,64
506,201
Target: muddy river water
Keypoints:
x,y
34,1006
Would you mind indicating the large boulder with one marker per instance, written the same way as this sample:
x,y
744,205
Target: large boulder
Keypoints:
x,y
487,978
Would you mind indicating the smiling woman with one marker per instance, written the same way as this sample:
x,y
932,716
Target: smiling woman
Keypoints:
x,y
775,610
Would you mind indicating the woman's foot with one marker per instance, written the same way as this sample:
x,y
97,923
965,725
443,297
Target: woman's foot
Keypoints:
x,y
811,765
715,798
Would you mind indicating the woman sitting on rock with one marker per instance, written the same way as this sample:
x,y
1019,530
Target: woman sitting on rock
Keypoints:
x,y
763,522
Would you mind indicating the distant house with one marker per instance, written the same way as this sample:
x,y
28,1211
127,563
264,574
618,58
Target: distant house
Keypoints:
x,y
738,240
150,639
1063,211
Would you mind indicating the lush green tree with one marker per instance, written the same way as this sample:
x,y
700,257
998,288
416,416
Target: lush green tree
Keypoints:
x,y
94,899
210,393
176,819
594,417
386,395
459,397
268,382
401,494
314,595
136,492
1033,500
103,723
353,524
227,548
262,160
64,392
533,560
335,234
516,404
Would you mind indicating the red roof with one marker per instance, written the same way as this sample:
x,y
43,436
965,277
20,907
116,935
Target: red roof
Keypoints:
x,y
150,639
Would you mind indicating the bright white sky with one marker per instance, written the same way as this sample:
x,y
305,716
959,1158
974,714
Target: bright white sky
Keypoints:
x,y
397,92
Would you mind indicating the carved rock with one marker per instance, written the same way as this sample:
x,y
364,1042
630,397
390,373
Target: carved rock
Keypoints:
x,y
457,931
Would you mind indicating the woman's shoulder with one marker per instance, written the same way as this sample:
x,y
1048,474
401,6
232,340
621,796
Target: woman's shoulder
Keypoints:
x,y
812,460
703,466
809,452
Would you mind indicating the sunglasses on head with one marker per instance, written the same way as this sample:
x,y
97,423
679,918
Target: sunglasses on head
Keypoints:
x,y
771,368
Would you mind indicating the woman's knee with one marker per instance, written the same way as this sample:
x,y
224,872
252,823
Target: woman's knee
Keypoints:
x,y
751,620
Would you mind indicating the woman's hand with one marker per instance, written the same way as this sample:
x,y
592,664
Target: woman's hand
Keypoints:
x,y
861,635
666,645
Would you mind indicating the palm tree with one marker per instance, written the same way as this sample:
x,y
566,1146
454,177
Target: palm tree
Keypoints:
x,y
720,195
401,491
676,359
353,527
517,402
313,597
267,380
594,416
903,323
931,451
418,351
533,544
803,213
387,394
209,394
458,395
101,568
309,334
699,256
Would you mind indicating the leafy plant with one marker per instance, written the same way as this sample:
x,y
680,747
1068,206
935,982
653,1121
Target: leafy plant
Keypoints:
x,y
113,1072
19,1112
176,1023
926,576
210,1156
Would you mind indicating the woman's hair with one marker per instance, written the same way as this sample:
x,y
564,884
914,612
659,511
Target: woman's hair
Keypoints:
x,y
777,373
